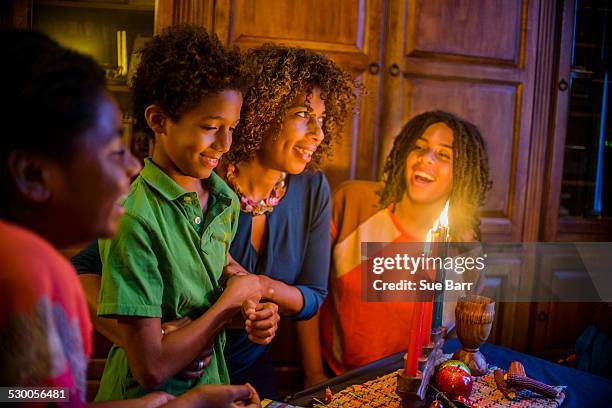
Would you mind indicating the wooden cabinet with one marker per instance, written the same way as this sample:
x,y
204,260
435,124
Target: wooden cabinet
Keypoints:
x,y
577,202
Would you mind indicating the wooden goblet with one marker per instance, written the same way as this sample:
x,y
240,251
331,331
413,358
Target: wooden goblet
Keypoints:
x,y
474,318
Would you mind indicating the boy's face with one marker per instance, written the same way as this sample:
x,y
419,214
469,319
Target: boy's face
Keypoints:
x,y
300,136
88,189
193,145
429,166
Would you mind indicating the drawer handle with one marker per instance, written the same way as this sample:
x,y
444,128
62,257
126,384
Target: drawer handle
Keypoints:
x,y
394,70
374,68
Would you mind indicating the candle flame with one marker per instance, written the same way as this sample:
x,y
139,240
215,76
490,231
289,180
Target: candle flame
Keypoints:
x,y
441,222
443,219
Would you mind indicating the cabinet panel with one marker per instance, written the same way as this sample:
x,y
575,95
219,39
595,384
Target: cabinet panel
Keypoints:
x,y
503,277
338,25
451,29
557,325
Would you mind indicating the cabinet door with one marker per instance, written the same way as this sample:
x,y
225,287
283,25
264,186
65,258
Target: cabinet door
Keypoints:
x,y
346,31
475,59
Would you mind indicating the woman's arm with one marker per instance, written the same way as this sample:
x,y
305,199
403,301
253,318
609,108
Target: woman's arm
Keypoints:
x,y
303,299
288,298
154,358
310,351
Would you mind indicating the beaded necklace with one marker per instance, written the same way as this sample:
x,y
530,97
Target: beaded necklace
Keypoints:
x,y
257,207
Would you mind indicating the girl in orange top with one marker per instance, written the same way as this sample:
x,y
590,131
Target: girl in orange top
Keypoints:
x,y
436,157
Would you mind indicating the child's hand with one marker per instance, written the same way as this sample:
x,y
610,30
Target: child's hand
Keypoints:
x,y
261,321
233,268
242,287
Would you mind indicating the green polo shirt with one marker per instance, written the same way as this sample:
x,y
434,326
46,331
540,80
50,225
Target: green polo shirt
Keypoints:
x,y
165,261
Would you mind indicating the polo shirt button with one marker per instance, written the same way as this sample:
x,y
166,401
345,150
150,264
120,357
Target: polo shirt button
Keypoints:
x,y
197,220
186,199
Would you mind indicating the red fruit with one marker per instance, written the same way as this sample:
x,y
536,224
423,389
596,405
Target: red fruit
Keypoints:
x,y
454,382
456,363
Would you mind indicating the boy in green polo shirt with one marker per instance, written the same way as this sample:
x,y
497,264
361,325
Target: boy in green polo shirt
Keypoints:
x,y
180,217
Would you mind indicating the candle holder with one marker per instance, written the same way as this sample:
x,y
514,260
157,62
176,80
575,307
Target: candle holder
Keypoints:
x,y
474,318
412,389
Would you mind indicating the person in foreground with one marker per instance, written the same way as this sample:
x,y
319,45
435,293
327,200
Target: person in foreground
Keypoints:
x,y
436,157
63,170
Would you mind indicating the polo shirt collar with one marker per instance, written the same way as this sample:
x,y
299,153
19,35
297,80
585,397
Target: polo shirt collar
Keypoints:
x,y
160,181
171,191
218,187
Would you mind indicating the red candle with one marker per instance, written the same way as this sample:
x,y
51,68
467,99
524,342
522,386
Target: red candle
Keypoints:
x,y
415,341
427,319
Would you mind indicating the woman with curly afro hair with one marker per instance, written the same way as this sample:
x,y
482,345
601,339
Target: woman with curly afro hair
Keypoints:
x,y
292,115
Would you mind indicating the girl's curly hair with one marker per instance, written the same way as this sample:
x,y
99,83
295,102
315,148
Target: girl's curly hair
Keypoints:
x,y
178,68
470,169
279,74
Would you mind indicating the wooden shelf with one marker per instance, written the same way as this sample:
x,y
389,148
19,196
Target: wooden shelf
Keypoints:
x,y
578,183
118,88
584,115
97,5
571,224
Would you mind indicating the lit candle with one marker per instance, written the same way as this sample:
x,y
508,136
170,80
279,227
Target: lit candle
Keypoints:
x,y
441,233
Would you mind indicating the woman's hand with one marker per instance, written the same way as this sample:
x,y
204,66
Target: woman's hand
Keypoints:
x,y
261,321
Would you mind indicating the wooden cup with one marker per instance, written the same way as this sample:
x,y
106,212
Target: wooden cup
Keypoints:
x,y
474,318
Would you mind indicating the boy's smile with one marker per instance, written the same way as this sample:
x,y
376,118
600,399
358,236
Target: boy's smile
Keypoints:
x,y
191,147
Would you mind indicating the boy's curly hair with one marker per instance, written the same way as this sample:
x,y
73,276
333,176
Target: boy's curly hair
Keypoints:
x,y
470,169
279,74
178,68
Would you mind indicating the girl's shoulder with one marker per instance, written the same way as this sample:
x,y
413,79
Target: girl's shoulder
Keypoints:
x,y
357,190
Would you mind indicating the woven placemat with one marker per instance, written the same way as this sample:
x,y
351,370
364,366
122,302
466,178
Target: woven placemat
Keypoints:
x,y
380,392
